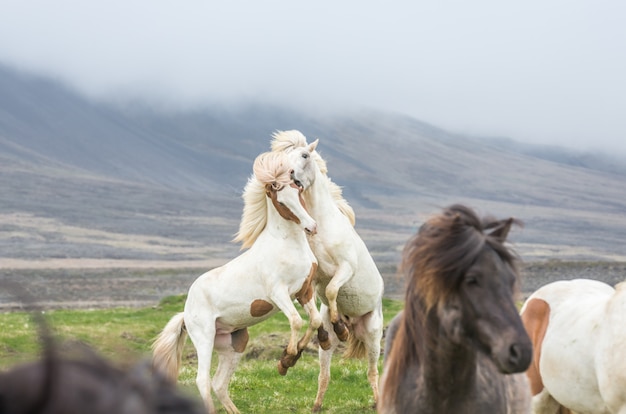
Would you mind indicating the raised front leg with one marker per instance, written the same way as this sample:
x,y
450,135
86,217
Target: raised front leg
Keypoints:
x,y
343,274
281,298
315,321
293,351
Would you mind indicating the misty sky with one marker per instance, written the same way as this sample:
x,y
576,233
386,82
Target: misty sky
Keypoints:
x,y
550,71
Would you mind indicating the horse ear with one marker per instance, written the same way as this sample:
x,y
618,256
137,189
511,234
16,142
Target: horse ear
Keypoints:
x,y
502,229
313,145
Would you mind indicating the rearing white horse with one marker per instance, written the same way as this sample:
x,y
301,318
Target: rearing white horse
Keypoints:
x,y
347,280
278,267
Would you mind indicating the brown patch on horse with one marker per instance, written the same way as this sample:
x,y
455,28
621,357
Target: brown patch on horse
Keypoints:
x,y
260,307
305,294
239,339
535,318
270,191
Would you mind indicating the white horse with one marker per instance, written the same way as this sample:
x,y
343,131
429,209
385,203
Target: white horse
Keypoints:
x,y
347,281
278,267
578,330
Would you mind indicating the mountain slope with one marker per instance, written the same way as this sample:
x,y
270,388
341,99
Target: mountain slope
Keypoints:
x,y
131,172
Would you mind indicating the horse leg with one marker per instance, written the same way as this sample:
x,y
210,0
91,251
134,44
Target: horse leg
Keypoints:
x,y
325,358
203,338
229,355
315,321
291,354
323,338
372,336
342,275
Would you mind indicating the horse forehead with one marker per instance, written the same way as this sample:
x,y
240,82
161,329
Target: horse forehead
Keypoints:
x,y
288,194
490,262
298,161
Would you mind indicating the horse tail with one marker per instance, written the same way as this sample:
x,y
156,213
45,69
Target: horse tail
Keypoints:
x,y
355,348
167,350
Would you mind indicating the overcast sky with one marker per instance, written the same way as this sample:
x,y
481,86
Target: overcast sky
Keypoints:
x,y
550,71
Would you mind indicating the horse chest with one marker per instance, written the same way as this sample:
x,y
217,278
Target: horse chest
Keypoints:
x,y
325,258
479,391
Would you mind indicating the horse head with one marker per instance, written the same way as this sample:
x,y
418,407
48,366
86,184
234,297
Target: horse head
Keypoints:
x,y
304,162
273,170
466,280
302,156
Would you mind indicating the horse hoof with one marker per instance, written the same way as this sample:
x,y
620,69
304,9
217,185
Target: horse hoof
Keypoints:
x,y
287,361
282,370
316,408
322,338
341,331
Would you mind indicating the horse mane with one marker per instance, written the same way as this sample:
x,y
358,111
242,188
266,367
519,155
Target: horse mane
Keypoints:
x,y
434,262
285,141
270,168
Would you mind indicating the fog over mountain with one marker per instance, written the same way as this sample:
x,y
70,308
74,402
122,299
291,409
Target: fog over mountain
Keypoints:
x,y
535,71
82,178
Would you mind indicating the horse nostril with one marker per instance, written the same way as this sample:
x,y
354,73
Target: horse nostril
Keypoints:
x,y
516,354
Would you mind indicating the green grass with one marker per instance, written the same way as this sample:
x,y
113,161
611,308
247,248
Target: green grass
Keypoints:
x,y
125,335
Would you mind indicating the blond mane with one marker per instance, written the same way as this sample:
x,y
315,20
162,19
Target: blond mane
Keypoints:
x,y
269,168
285,141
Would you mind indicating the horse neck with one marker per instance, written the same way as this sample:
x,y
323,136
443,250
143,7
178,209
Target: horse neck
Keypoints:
x,y
319,199
448,369
279,227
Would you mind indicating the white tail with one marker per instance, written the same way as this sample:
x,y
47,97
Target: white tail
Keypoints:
x,y
167,350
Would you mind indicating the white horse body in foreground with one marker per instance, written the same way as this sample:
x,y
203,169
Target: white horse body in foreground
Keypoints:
x,y
347,282
578,330
278,267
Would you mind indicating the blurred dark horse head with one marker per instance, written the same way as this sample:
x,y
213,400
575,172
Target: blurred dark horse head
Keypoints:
x,y
77,380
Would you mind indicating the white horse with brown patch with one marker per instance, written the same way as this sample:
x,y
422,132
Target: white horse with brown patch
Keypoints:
x,y
277,268
578,330
347,281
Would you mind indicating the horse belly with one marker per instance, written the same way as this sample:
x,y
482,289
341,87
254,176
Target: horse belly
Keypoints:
x,y
240,316
356,302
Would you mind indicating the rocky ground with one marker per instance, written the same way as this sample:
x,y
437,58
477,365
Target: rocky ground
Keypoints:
x,y
97,288
535,275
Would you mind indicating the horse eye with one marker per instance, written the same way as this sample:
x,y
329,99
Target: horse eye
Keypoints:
x,y
471,280
305,155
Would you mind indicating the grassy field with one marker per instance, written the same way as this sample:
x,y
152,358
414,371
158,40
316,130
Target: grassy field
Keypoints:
x,y
125,335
